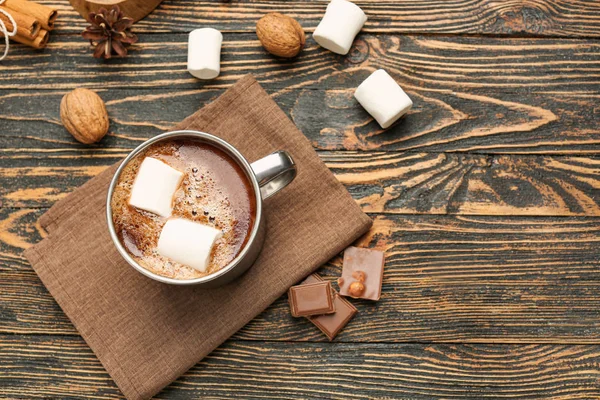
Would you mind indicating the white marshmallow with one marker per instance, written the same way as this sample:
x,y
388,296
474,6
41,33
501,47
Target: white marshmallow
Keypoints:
x,y
383,98
154,187
204,53
188,242
340,25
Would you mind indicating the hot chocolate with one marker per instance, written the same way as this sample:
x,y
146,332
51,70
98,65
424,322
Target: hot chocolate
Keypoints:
x,y
214,191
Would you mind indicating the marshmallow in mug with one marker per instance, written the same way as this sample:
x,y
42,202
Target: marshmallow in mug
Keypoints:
x,y
154,187
188,242
204,53
383,98
340,25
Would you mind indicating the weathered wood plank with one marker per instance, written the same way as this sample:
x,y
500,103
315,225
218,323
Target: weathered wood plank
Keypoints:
x,y
43,367
404,183
429,63
469,279
331,119
470,184
535,97
448,278
565,18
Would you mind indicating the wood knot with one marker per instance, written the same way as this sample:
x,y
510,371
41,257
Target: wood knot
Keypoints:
x,y
359,52
522,20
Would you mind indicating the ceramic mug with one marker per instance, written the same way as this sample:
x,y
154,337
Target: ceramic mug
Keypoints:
x,y
267,176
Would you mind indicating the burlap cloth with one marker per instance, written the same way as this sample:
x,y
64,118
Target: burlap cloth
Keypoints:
x,y
146,333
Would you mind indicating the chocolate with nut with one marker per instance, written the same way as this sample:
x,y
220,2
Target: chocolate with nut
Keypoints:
x,y
362,273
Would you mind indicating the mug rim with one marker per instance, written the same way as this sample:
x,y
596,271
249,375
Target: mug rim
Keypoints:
x,y
233,153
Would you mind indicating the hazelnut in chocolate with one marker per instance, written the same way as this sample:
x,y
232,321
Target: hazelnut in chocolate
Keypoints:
x,y
362,273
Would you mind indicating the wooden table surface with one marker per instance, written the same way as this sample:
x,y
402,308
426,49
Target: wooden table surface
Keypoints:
x,y
485,197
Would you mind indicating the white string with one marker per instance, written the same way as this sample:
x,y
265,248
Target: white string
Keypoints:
x,y
5,31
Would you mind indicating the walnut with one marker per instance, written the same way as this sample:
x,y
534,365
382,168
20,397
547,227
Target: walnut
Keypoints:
x,y
84,115
280,35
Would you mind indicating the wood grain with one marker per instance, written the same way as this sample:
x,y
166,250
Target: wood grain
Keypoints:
x,y
331,119
430,63
447,279
537,96
487,78
381,182
561,18
39,367
469,184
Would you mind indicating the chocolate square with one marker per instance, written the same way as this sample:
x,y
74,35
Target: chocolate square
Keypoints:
x,y
311,299
332,324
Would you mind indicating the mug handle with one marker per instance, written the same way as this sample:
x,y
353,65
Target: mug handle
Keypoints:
x,y
274,172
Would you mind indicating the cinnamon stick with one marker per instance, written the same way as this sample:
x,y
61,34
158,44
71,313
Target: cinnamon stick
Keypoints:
x,y
27,26
40,41
46,15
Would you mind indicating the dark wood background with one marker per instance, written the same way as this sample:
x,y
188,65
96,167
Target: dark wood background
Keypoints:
x,y
485,197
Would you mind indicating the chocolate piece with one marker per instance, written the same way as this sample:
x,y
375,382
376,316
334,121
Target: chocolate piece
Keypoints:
x,y
311,299
367,263
332,324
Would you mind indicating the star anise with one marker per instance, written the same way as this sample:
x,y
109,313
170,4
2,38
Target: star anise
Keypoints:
x,y
109,31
